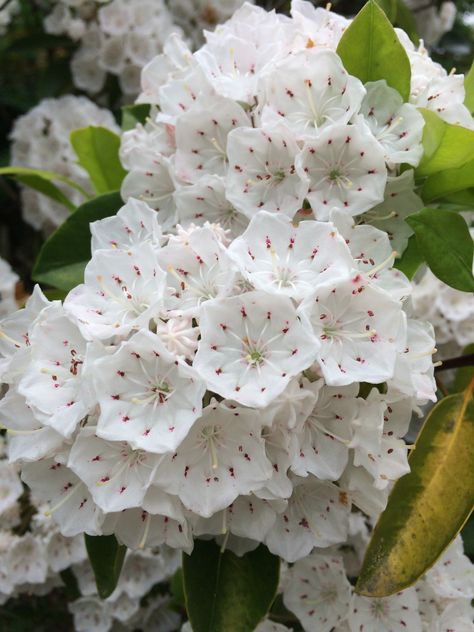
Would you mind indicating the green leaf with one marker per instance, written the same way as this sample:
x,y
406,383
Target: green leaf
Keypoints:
x,y
106,556
444,240
411,259
225,592
406,20
97,149
429,506
446,146
42,181
448,181
177,589
469,87
371,50
390,8
134,114
65,254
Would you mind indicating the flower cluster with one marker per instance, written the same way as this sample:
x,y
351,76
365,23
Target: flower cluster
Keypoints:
x,y
196,16
40,139
195,386
121,36
433,21
318,591
31,556
240,361
450,311
131,606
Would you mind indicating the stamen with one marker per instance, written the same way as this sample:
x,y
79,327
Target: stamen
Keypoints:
x,y
388,262
146,530
63,500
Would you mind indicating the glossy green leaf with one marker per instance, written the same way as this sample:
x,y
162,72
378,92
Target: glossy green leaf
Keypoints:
x,y
427,507
390,8
469,87
411,259
177,589
371,50
225,592
448,181
406,20
132,115
446,146
65,254
444,240
106,556
97,149
43,182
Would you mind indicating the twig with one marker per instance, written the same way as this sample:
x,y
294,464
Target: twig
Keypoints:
x,y
456,363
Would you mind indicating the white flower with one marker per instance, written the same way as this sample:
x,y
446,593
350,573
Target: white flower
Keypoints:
x,y
324,436
41,140
310,90
138,528
222,457
364,495
15,328
318,592
396,125
10,486
90,613
251,346
152,181
452,576
400,201
201,138
197,270
397,613
247,517
28,438
52,383
204,202
116,475
62,552
147,395
178,335
134,224
345,167
319,27
8,281
278,257
26,560
317,515
71,504
414,369
123,291
358,326
262,172
233,64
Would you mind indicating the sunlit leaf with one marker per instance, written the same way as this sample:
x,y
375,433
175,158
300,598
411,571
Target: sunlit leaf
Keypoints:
x,y
427,507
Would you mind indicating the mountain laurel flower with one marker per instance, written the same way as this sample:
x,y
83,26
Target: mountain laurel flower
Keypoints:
x,y
147,395
252,345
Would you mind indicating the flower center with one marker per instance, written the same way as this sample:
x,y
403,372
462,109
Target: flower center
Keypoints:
x,y
334,174
255,357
